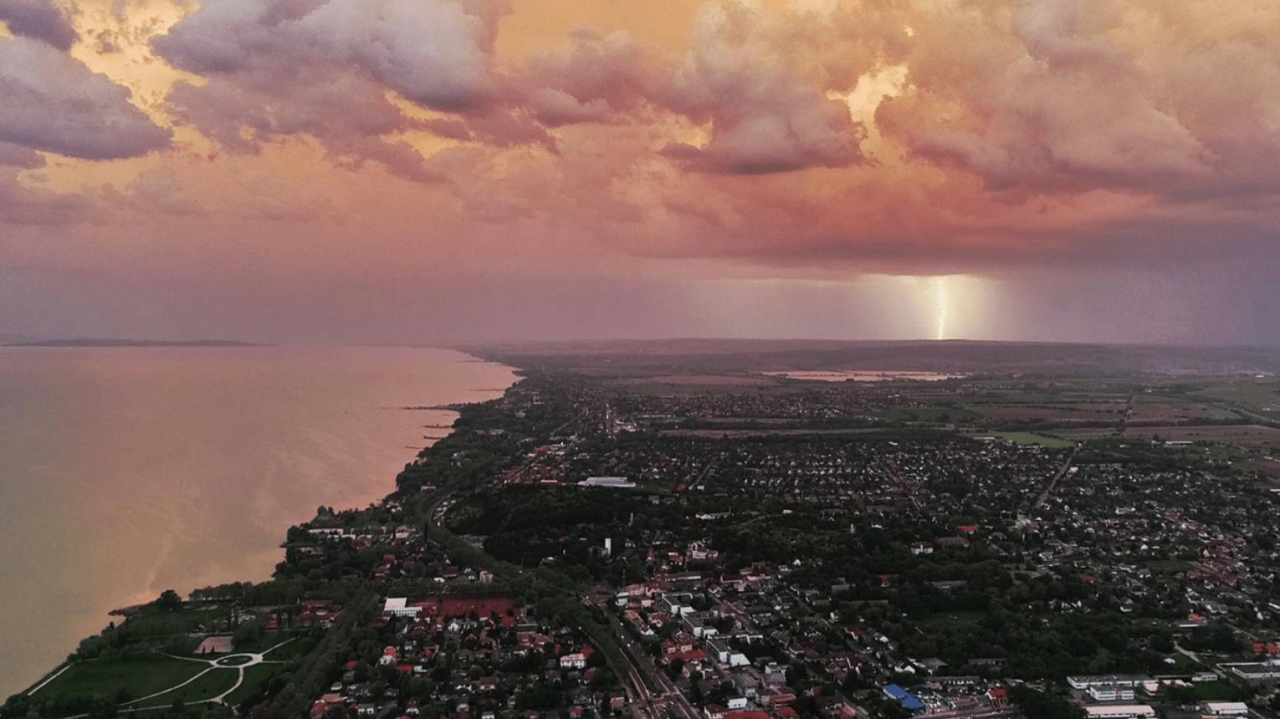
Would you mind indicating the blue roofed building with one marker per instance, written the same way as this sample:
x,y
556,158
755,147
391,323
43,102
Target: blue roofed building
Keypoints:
x,y
904,698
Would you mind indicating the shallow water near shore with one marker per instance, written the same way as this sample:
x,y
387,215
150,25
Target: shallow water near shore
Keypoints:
x,y
128,471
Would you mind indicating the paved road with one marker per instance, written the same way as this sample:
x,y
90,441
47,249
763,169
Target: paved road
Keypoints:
x,y
1048,490
669,697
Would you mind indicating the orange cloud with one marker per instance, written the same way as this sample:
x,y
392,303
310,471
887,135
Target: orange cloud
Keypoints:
x,y
716,139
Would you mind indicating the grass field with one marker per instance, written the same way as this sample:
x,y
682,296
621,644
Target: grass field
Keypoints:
x,y
1032,438
106,677
255,679
208,686
1216,691
955,621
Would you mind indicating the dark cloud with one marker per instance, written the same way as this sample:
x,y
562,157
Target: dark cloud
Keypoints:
x,y
433,52
39,20
52,103
324,68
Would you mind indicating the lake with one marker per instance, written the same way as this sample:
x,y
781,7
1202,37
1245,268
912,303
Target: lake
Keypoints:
x,y
128,471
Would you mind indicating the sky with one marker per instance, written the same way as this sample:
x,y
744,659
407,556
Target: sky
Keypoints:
x,y
424,171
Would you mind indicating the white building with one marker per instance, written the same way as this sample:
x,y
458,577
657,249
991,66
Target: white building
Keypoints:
x,y
1119,680
1120,711
1226,709
1111,693
398,607
1256,671
612,482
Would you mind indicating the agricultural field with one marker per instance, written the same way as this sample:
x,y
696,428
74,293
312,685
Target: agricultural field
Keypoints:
x,y
932,415
1031,438
1111,411
1152,409
1084,434
1259,395
1248,434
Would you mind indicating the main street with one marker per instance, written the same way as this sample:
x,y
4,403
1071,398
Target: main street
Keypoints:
x,y
669,698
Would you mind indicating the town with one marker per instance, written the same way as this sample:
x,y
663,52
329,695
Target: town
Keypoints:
x,y
718,538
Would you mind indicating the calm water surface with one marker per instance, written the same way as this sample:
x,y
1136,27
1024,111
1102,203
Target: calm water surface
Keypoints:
x,y
124,472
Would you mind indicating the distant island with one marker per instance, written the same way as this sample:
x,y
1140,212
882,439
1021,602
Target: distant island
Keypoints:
x,y
92,342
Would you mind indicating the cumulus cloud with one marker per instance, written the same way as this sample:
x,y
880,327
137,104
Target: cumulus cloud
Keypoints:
x,y
590,77
792,137
751,77
1085,94
762,78
434,52
325,68
53,103
39,20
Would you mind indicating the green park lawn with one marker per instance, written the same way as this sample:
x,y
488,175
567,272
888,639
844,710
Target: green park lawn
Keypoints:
x,y
208,686
139,677
255,680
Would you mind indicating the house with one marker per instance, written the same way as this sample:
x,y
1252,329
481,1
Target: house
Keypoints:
x,y
919,548
951,543
577,660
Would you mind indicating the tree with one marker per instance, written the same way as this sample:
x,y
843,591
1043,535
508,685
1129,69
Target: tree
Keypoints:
x,y
169,601
1044,706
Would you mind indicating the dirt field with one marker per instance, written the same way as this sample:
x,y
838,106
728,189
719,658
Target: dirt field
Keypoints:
x,y
1112,411
1156,409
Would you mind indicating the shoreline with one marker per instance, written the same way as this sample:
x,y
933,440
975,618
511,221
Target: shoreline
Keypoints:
x,y
385,488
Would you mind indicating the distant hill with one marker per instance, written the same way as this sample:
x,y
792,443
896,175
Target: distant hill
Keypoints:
x,y
131,343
